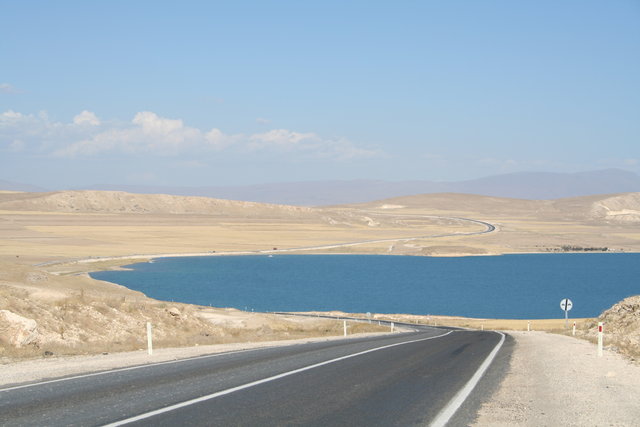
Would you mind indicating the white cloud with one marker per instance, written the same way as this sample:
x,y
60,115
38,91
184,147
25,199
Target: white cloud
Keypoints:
x,y
152,124
152,134
11,116
282,138
86,117
310,145
218,140
263,121
147,132
31,131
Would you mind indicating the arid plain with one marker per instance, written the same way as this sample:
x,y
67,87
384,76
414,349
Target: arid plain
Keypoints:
x,y
40,227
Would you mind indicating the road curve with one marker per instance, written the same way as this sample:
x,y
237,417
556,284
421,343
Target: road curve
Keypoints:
x,y
396,379
489,228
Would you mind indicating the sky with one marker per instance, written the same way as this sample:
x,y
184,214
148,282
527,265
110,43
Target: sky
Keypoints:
x,y
217,93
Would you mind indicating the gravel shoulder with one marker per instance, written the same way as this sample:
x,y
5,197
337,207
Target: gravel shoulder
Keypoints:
x,y
555,380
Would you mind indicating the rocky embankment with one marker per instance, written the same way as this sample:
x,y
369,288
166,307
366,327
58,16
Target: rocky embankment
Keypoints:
x,y
621,327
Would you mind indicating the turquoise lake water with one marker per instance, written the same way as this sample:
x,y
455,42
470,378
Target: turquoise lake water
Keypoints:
x,y
509,286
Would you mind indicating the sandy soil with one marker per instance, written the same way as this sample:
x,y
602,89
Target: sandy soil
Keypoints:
x,y
556,380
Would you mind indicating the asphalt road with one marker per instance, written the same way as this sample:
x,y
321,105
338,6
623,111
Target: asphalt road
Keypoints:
x,y
399,379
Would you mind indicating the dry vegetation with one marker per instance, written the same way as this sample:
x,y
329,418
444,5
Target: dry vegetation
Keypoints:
x,y
44,317
549,325
621,327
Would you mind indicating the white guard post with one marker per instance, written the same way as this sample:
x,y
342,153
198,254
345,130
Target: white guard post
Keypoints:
x,y
149,339
600,339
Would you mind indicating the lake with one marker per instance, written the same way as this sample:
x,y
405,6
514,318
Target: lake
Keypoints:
x,y
508,286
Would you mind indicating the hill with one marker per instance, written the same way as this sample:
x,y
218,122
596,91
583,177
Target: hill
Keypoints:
x,y
616,208
621,208
126,203
524,185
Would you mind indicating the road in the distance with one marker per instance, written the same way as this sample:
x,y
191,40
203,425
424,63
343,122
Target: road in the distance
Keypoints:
x,y
489,228
398,379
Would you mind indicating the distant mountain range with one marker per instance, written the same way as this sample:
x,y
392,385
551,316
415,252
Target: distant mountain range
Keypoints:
x,y
16,186
523,185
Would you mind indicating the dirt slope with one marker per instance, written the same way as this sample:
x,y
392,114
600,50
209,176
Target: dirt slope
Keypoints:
x,y
120,202
622,208
43,314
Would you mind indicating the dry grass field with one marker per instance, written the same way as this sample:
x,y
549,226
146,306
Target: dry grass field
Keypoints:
x,y
56,226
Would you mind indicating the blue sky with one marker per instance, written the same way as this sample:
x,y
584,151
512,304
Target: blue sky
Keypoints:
x,y
241,92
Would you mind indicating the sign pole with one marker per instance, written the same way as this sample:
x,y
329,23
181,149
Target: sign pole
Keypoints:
x,y
566,305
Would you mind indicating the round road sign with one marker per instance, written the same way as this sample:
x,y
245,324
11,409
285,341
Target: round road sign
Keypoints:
x,y
566,304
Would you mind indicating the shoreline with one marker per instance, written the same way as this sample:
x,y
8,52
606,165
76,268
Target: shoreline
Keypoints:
x,y
292,251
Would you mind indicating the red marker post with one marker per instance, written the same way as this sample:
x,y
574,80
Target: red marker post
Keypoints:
x,y
600,339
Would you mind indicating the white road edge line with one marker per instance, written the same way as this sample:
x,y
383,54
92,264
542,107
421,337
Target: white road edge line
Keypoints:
x,y
130,368
448,411
255,383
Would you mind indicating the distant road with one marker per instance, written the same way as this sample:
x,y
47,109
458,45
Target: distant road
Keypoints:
x,y
392,380
489,228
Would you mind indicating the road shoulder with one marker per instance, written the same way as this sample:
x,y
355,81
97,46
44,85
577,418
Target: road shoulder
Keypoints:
x,y
557,380
57,367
